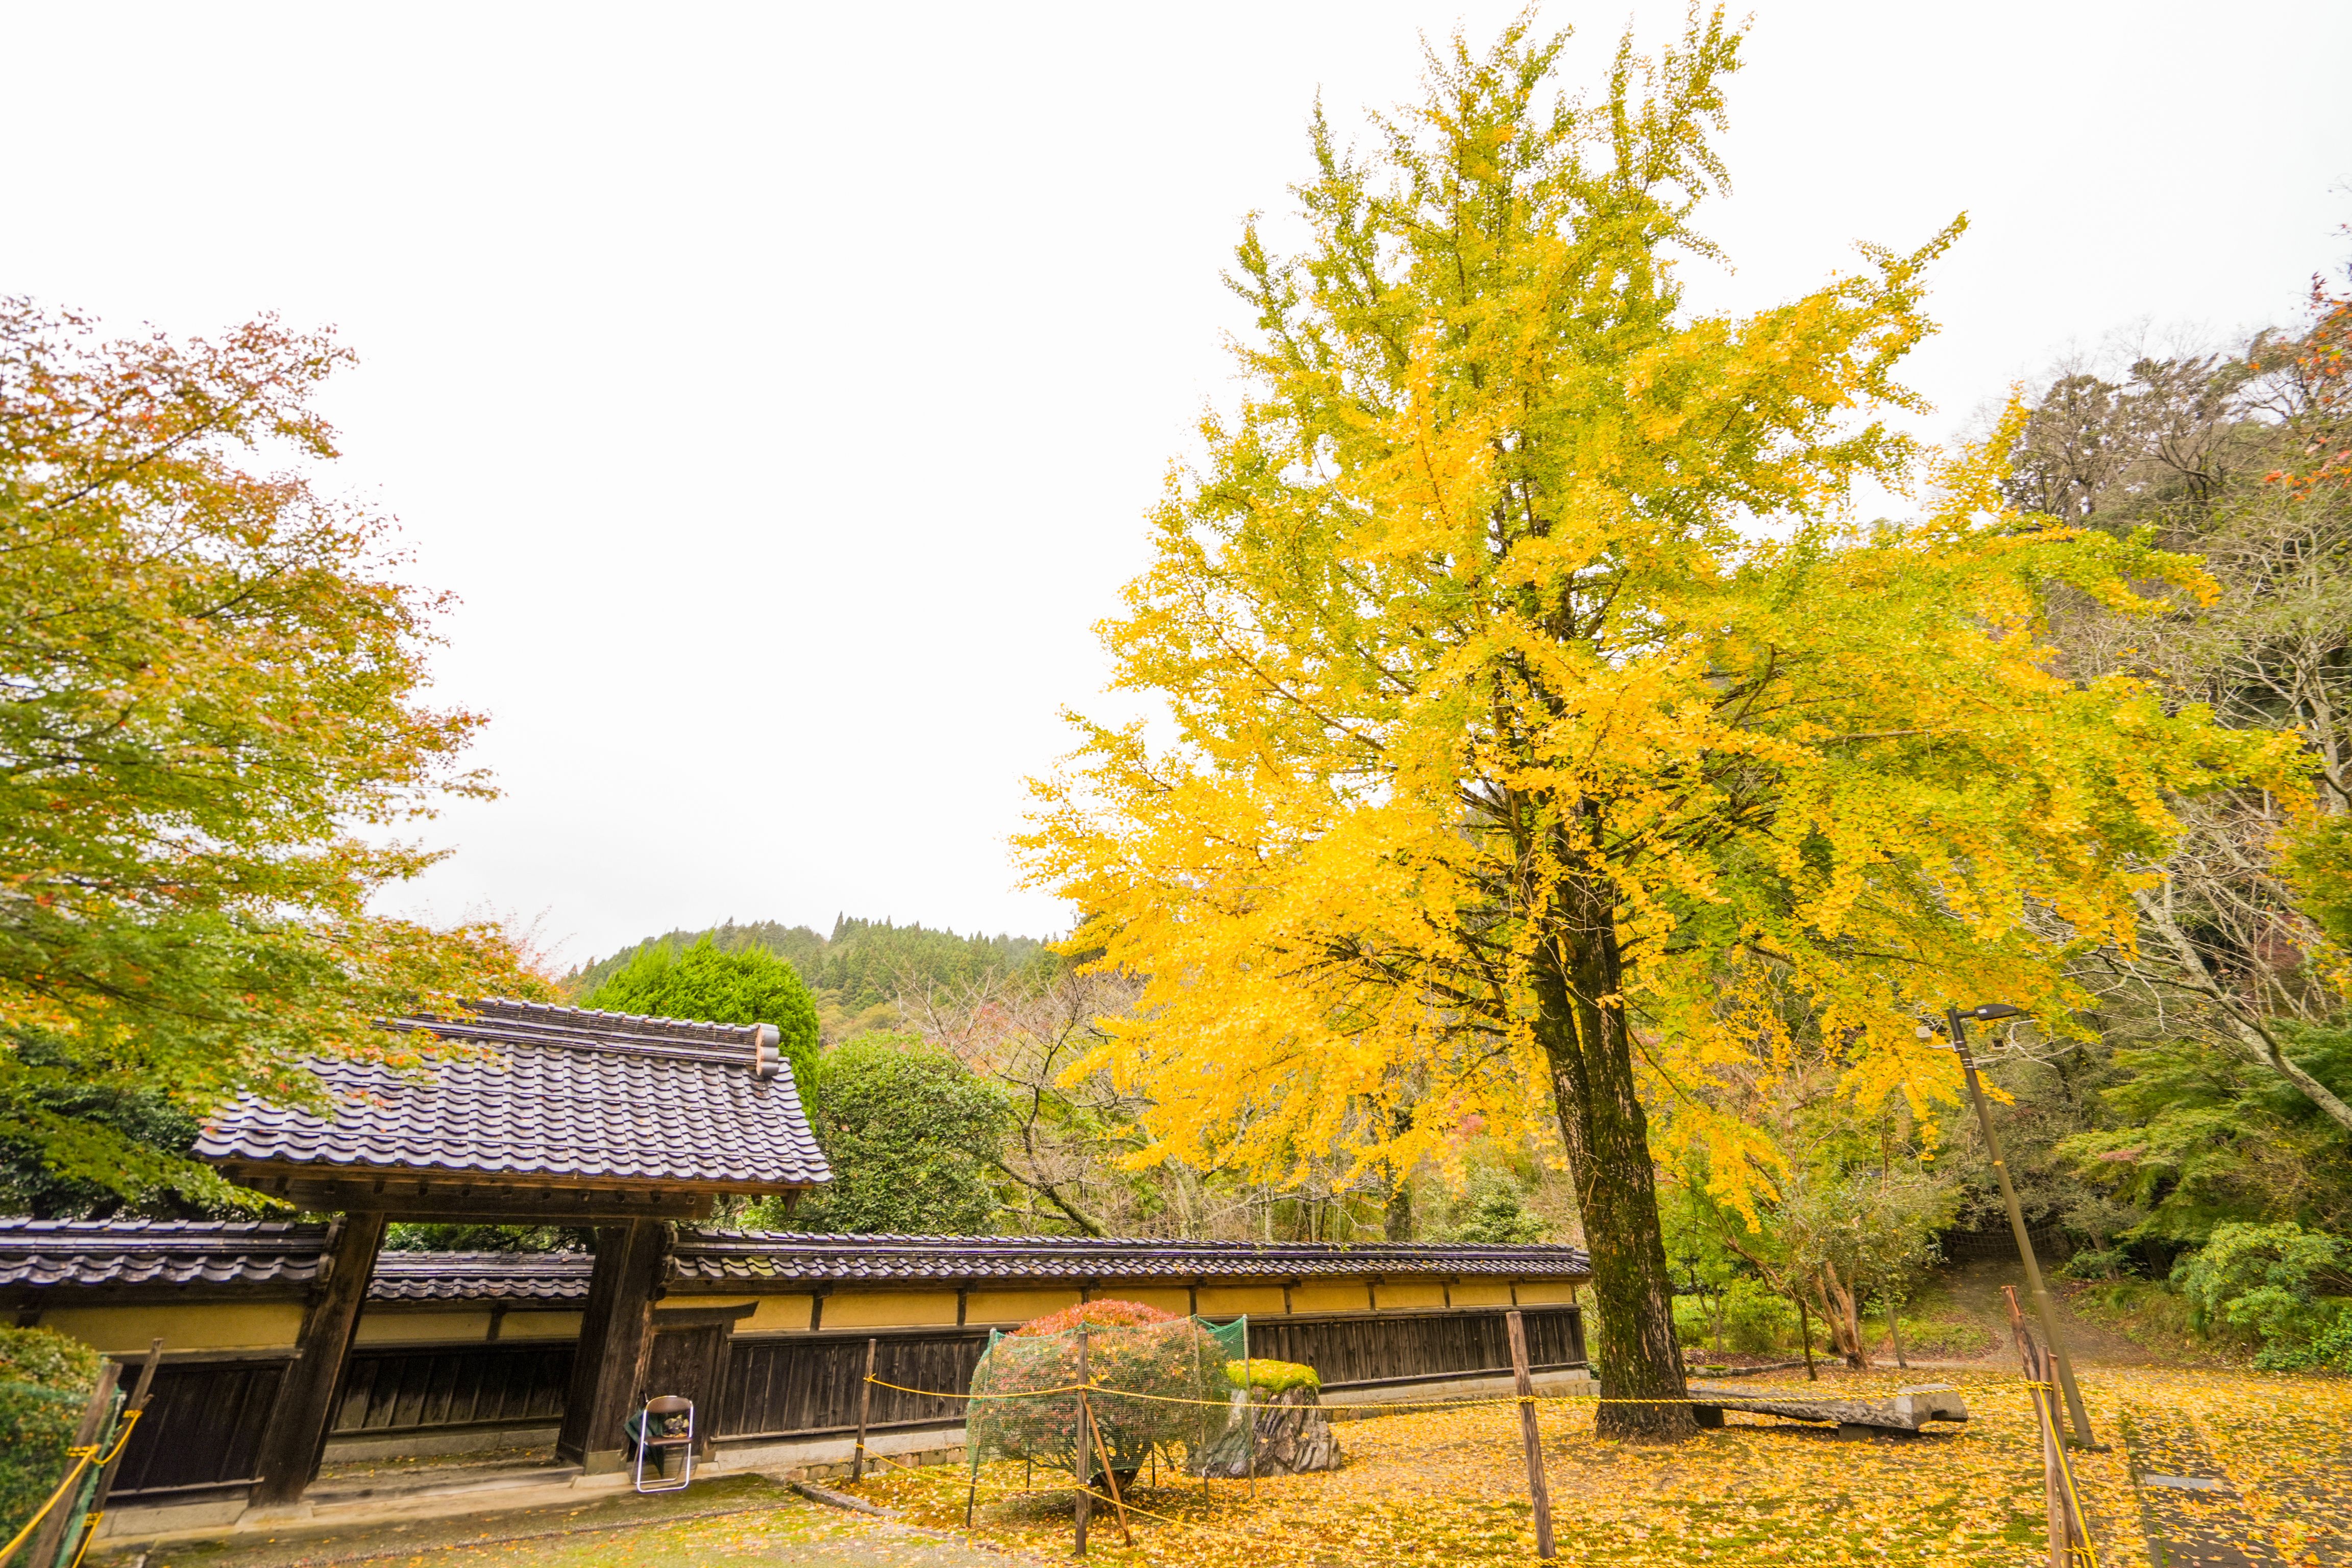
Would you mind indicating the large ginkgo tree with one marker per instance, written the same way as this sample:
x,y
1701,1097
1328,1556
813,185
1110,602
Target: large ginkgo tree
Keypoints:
x,y
1536,728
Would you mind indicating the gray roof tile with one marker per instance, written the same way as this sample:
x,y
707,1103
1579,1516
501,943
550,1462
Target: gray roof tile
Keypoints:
x,y
88,1253
551,1279
39,1252
562,1093
750,1255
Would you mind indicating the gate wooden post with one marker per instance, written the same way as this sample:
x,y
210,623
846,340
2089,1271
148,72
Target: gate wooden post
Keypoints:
x,y
296,1437
1523,1381
615,1337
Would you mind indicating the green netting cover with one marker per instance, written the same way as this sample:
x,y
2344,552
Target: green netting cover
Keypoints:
x,y
1180,1363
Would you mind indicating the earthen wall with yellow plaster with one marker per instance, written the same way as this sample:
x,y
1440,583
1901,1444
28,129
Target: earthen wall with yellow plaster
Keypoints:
x,y
1330,1296
1177,1302
889,1310
196,1326
1482,1293
1016,1306
1546,1292
378,1328
1232,1300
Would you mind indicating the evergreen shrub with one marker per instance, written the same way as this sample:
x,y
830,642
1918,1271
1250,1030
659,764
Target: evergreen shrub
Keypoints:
x,y
45,1381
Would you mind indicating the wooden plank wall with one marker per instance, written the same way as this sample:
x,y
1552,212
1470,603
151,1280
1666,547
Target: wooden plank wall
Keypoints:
x,y
446,1388
804,1385
206,1419
1394,1347
202,1431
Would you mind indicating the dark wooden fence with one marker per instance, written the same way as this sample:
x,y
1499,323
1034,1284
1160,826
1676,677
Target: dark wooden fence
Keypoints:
x,y
444,1388
206,1420
807,1384
1415,1347
202,1430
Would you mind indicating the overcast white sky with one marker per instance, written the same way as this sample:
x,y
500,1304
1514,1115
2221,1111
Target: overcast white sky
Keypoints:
x,y
782,386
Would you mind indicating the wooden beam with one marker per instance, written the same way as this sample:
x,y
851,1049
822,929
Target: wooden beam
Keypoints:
x,y
615,1337
297,1437
486,1203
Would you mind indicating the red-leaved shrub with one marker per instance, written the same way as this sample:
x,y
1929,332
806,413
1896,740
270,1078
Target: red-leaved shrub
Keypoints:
x,y
1104,1314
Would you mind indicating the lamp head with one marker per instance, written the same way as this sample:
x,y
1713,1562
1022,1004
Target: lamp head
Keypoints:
x,y
1992,1010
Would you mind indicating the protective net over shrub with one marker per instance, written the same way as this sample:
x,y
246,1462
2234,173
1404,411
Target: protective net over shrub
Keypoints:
x,y
1154,1382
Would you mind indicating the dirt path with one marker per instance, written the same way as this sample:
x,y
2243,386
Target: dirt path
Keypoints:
x,y
1975,1291
2191,1510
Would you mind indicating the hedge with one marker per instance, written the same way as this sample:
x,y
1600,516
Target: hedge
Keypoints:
x,y
45,1381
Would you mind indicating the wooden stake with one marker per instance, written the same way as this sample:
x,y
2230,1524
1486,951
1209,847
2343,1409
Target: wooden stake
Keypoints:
x,y
1086,1452
2064,1529
2053,1486
1118,1503
865,1408
1805,1322
52,1533
138,1403
1249,1406
1524,1381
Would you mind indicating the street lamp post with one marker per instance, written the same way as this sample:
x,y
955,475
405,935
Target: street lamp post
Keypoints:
x,y
2074,1411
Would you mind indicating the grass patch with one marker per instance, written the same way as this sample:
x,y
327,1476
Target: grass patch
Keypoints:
x,y
2152,1316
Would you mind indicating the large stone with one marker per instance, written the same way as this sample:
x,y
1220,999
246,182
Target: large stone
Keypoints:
x,y
1910,1409
1293,1434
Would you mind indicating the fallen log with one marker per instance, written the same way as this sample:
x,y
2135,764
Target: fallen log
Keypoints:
x,y
1905,1413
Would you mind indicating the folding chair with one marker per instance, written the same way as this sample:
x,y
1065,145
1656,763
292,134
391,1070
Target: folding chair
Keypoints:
x,y
665,1424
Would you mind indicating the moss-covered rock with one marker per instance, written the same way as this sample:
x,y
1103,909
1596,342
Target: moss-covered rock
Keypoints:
x,y
1273,1377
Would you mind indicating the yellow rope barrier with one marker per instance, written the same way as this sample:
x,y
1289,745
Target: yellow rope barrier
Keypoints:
x,y
122,1438
89,1534
1385,1404
2048,1391
81,1459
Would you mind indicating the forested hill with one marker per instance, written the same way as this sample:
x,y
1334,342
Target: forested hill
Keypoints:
x,y
861,967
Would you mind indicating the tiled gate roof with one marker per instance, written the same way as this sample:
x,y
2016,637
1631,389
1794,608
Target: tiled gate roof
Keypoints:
x,y
556,1094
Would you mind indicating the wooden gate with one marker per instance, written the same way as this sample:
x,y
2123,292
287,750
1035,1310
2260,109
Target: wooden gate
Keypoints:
x,y
690,1357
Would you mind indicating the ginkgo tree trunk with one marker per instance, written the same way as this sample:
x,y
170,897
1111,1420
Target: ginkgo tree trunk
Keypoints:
x,y
1529,697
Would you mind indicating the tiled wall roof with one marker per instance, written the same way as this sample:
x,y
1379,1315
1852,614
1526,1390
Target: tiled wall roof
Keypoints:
x,y
93,1252
38,1252
713,1255
567,1094
549,1278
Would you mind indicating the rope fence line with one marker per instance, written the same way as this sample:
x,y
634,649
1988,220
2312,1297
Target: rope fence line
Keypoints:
x,y
1304,1548
1260,1537
1384,1405
2044,1395
83,1459
1254,1538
